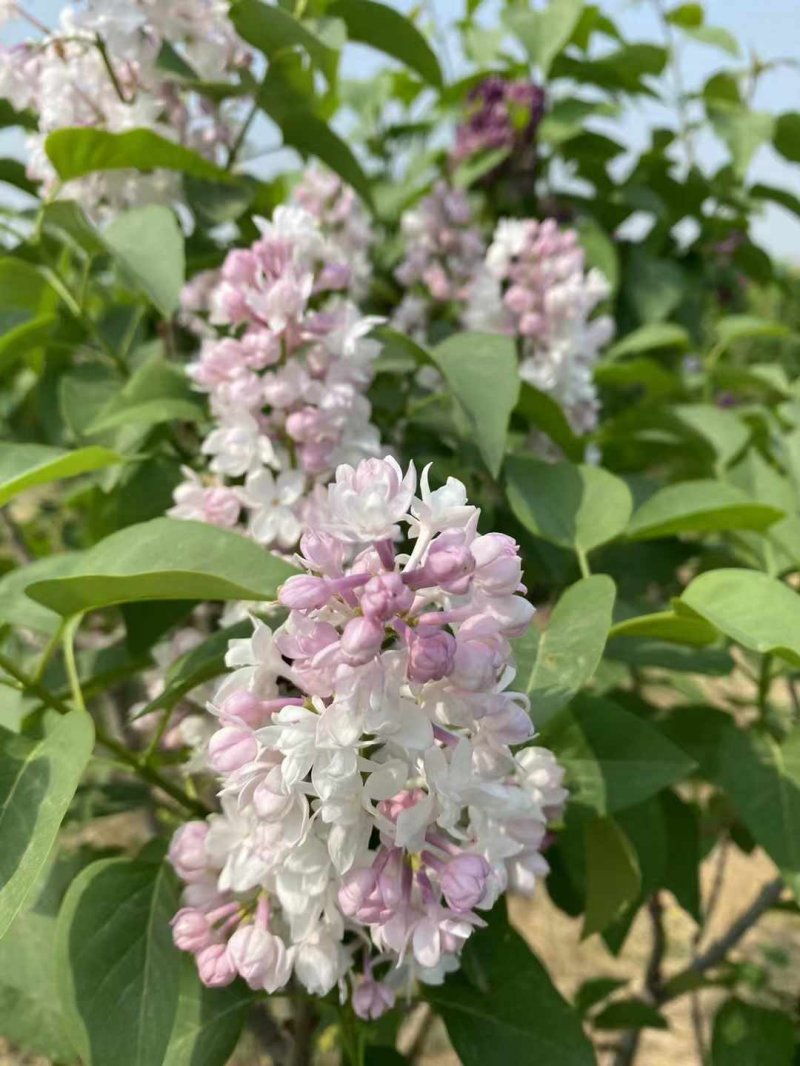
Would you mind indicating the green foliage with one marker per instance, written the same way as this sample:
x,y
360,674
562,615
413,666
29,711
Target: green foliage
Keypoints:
x,y
661,548
164,560
485,1006
39,773
118,969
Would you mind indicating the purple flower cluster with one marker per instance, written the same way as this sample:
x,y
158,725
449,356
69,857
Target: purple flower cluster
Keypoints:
x,y
502,114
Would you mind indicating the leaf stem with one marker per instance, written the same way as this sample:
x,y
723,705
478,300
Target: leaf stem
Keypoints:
x,y
583,562
68,639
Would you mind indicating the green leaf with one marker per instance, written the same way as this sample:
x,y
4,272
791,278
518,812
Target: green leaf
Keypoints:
x,y
715,36
209,1020
747,1035
165,559
723,431
571,646
653,286
22,285
501,1007
594,990
734,328
147,243
17,608
81,150
762,778
787,136
477,166
38,777
578,507
629,1014
386,29
30,1013
23,466
12,172
271,30
600,251
157,392
667,625
118,969
304,130
699,506
649,338
682,866
545,33
783,197
25,338
742,130
684,15
547,414
481,370
755,610
613,759
9,116
613,878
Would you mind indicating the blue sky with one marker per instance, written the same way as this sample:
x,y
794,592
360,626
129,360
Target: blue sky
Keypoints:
x,y
770,28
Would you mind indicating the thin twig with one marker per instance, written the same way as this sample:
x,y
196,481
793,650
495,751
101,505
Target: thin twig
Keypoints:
x,y
653,979
130,758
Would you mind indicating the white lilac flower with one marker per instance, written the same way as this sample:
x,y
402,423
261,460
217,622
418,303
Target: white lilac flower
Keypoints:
x,y
371,800
534,286
286,361
67,81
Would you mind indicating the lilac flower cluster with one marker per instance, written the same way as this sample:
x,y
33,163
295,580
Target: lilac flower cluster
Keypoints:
x,y
343,220
444,250
502,114
286,370
371,801
535,286
100,68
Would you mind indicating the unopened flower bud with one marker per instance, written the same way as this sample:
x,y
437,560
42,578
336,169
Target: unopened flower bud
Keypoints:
x,y
361,640
431,653
187,852
463,881
215,966
190,930
304,592
385,596
230,748
372,999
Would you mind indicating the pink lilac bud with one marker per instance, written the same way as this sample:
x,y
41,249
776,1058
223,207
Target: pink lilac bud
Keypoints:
x,y
231,748
361,640
243,708
386,596
187,851
463,881
303,593
431,654
498,567
221,507
215,966
260,958
449,565
191,931
372,999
